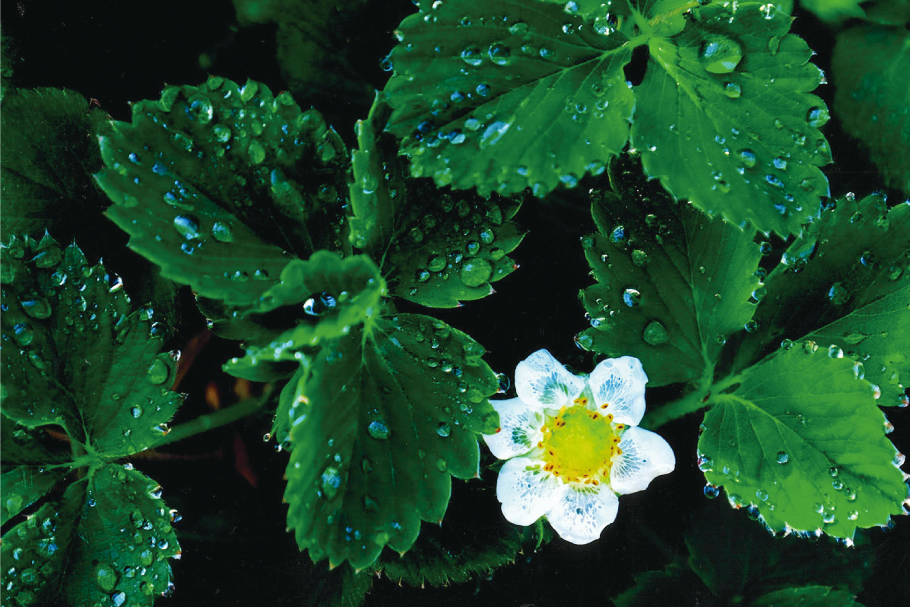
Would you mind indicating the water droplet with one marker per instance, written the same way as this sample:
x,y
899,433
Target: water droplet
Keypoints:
x,y
441,465
436,263
472,56
330,482
222,232
499,54
711,491
319,304
105,577
379,430
443,430
476,272
782,457
199,109
158,372
631,297
747,157
817,117
838,294
187,226
719,54
733,90
136,412
493,133
256,152
36,307
655,334
519,28
835,351
751,326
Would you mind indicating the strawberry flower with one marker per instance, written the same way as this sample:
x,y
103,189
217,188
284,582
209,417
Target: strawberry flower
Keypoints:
x,y
572,445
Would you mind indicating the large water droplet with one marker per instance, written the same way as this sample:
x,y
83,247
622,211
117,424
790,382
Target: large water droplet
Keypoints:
x,y
493,133
187,226
476,272
631,297
330,482
105,577
319,303
444,430
222,232
655,334
36,307
719,54
379,430
199,108
158,372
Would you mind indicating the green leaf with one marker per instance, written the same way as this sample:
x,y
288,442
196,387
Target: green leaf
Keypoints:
x,y
845,283
802,440
834,11
126,539
672,282
439,248
540,98
50,150
315,301
870,65
725,119
501,105
675,586
74,356
379,422
215,183
807,596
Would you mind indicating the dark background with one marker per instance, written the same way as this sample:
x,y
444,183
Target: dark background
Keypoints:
x,y
235,549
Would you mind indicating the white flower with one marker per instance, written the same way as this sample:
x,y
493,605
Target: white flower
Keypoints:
x,y
572,445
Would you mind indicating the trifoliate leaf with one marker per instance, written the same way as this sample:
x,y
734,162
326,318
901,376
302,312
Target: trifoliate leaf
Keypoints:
x,y
379,422
125,539
807,596
801,439
672,282
50,150
725,119
845,283
870,66
506,94
73,356
440,248
215,183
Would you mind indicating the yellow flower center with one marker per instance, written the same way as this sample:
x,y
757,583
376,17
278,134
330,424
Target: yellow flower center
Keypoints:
x,y
579,444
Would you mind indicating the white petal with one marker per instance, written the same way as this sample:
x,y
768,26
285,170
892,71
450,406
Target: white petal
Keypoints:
x,y
542,381
645,456
583,512
619,383
519,428
526,491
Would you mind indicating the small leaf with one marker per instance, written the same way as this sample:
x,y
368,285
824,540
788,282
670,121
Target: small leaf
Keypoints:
x,y
379,422
214,183
50,150
870,64
845,283
440,248
807,596
802,440
534,100
22,486
725,119
672,282
125,541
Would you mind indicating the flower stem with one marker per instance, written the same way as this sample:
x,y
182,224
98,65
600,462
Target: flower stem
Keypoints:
x,y
219,418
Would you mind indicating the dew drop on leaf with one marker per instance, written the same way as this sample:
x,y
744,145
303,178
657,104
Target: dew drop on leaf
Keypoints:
x,y
655,334
719,54
158,372
379,430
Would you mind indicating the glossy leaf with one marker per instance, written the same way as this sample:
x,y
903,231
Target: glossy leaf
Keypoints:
x,y
529,101
22,486
215,183
739,137
672,282
125,540
50,150
439,247
845,283
379,422
801,439
870,66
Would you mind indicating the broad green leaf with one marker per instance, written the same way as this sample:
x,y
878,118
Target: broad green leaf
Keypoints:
x,y
24,485
801,439
870,67
672,282
529,100
807,596
725,119
125,539
216,183
381,419
440,248
888,12
74,356
845,283
49,150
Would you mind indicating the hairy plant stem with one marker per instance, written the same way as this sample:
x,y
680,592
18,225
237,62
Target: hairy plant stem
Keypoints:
x,y
219,418
696,400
